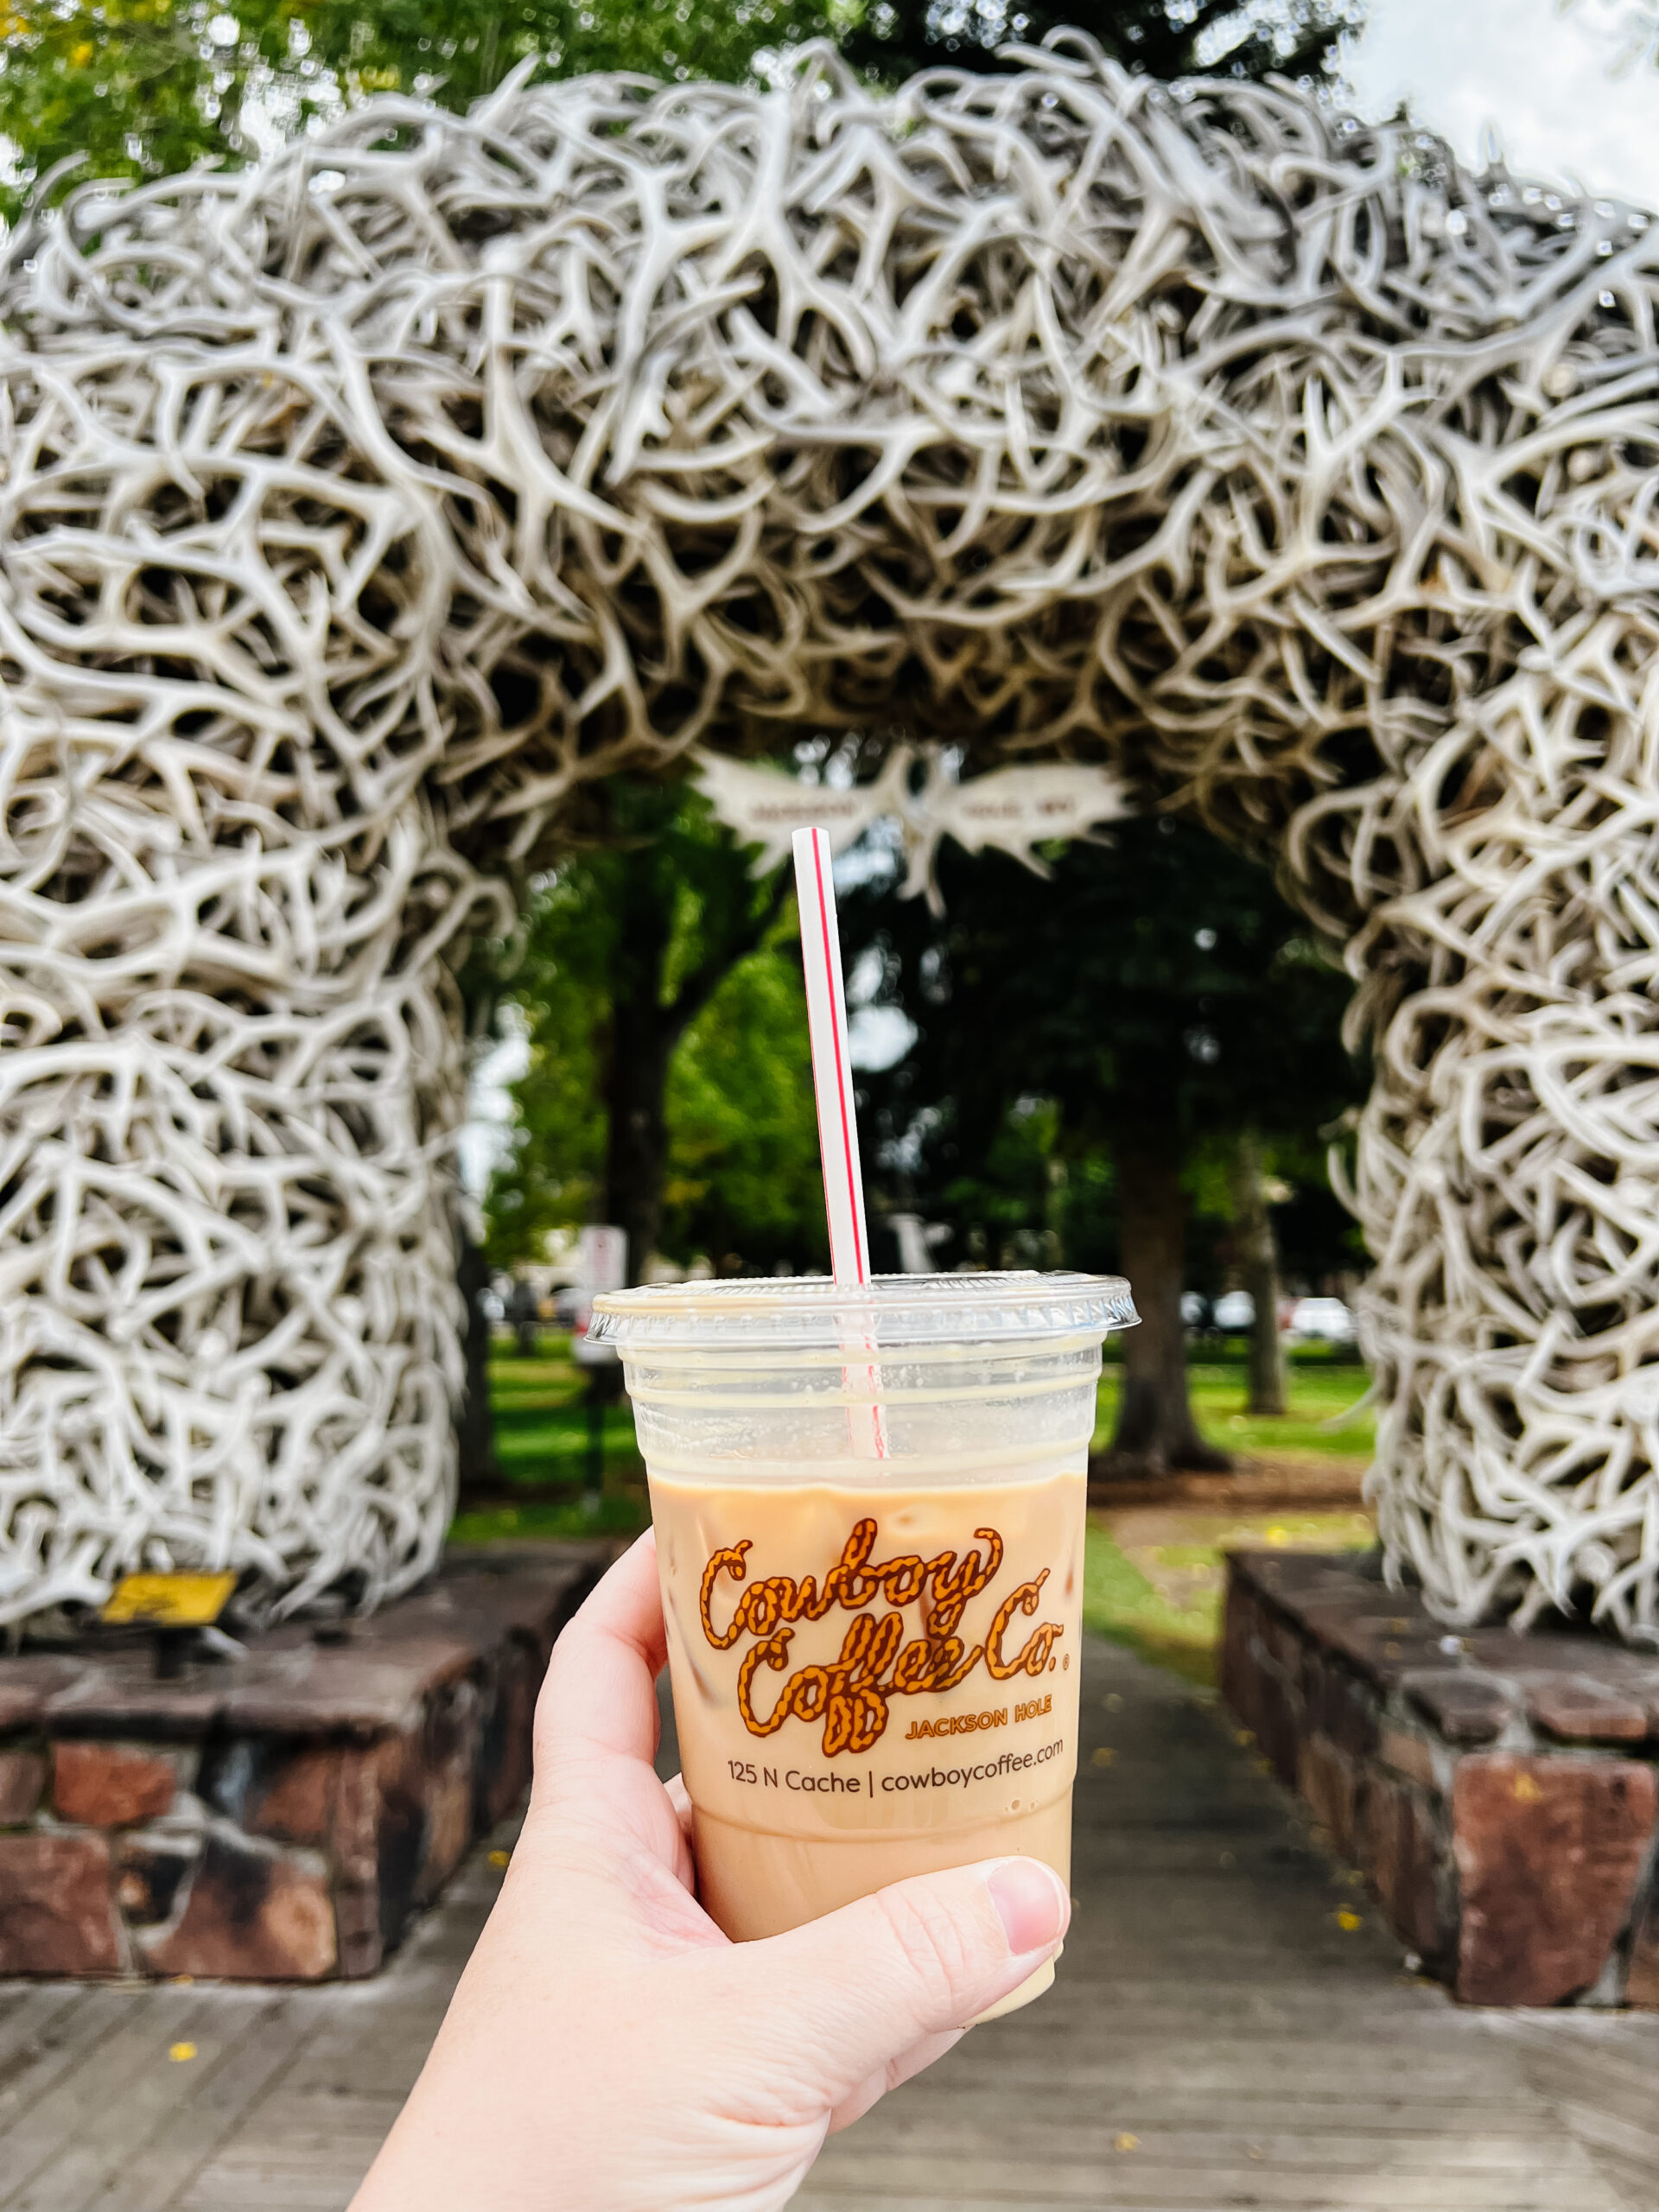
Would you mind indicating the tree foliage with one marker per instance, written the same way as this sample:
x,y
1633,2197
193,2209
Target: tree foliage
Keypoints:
x,y
1160,981
668,1084
1088,1046
895,38
558,991
743,1185
148,87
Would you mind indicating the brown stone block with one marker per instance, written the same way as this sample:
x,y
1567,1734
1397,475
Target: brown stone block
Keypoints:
x,y
111,1785
1285,1642
1550,1852
1408,1857
56,1913
250,1916
357,1923
482,1608
1318,1685
1341,1624
149,1870
449,1830
355,1831
23,1778
1296,1580
359,1689
1330,1783
1642,1985
123,1696
417,1814
1383,1648
1239,1665
1580,1710
296,1802
1467,1706
1408,1755
26,1687
1279,1725
503,1751
1244,1571
398,1804
441,1772
1345,1709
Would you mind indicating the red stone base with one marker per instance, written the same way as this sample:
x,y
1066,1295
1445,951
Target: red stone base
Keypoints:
x,y
277,1817
1497,1790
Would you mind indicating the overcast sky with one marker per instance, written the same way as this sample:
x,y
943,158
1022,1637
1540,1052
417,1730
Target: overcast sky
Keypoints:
x,y
1548,80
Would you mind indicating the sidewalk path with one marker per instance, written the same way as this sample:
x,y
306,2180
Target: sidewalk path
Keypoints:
x,y
1216,2038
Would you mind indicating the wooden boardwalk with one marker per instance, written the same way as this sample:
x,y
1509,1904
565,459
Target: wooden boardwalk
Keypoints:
x,y
1217,2038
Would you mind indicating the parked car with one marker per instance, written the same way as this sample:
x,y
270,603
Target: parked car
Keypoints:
x,y
1323,1321
1195,1312
1234,1311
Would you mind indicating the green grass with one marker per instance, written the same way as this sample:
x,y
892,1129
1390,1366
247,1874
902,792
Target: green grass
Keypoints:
x,y
499,1523
1119,1602
1322,1420
540,1421
541,1441
1163,1596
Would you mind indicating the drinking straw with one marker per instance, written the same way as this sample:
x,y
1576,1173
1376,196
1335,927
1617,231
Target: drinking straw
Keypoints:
x,y
832,1082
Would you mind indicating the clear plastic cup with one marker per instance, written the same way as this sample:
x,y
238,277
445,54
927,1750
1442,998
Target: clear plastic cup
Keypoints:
x,y
869,1513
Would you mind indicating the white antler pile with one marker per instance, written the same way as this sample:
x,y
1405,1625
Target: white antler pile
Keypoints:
x,y
359,509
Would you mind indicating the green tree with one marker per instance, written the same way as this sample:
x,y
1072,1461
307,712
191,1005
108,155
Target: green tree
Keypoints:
x,y
626,948
147,87
743,1183
558,990
893,39
1161,998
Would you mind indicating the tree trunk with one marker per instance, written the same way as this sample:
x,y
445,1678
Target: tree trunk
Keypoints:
x,y
642,1035
643,1032
474,1429
636,1153
1155,1429
1258,1259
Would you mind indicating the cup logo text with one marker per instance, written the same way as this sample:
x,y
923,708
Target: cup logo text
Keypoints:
x,y
876,1663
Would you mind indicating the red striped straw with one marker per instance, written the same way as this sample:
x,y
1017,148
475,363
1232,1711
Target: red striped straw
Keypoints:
x,y
832,1081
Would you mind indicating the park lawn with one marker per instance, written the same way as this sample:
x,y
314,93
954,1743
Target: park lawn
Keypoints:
x,y
619,1516
1154,1577
1325,1420
541,1422
541,1441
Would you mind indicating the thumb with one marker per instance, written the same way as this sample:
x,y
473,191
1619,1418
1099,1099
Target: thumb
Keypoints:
x,y
855,1991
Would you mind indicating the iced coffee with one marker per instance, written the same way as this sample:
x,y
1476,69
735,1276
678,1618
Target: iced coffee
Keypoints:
x,y
869,1512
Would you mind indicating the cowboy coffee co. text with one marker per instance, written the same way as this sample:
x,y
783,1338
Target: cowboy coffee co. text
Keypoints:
x,y
877,1662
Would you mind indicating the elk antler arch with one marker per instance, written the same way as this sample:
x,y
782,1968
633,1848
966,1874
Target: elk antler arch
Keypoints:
x,y
359,508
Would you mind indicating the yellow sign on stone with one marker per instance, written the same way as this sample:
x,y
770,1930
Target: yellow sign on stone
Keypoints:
x,y
168,1600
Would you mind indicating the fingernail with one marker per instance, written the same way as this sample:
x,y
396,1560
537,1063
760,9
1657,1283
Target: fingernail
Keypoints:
x,y
1031,1902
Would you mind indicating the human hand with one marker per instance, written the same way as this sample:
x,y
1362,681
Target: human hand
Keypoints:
x,y
608,2049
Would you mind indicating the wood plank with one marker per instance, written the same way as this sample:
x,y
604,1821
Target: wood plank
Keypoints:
x,y
882,2178
301,2154
35,2012
1175,2144
32,2108
61,2156
154,2176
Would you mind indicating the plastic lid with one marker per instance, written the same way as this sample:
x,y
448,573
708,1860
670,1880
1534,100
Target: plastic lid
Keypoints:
x,y
810,1313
